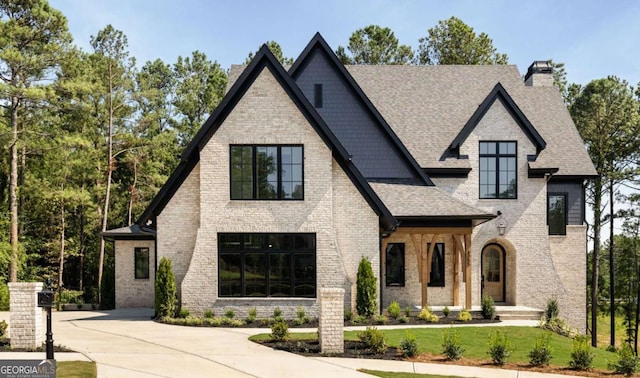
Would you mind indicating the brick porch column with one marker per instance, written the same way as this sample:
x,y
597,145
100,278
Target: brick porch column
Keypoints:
x,y
331,321
25,327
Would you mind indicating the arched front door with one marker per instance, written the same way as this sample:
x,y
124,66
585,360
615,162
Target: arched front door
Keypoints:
x,y
493,272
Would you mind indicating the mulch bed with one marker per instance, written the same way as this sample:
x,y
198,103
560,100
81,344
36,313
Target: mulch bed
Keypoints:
x,y
5,346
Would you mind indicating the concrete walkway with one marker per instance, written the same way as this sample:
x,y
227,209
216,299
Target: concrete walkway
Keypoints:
x,y
126,343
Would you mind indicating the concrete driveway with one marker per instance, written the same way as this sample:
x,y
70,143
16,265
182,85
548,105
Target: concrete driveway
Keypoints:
x,y
126,343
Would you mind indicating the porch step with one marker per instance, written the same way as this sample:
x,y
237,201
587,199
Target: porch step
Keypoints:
x,y
518,313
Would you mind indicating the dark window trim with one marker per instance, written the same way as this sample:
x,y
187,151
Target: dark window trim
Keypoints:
x,y
402,273
442,266
566,211
254,172
137,250
292,251
497,156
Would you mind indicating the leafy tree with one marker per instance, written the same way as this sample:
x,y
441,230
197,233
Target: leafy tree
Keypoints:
x,y
454,42
32,38
200,86
366,302
607,117
166,292
374,45
276,50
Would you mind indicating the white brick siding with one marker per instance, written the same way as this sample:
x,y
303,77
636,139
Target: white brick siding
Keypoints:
x,y
132,292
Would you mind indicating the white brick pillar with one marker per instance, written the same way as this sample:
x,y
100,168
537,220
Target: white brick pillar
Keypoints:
x,y
331,321
25,326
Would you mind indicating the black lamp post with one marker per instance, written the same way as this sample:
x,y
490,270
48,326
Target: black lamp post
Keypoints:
x,y
45,300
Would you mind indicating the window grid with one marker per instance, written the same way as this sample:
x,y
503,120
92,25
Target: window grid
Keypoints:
x,y
498,170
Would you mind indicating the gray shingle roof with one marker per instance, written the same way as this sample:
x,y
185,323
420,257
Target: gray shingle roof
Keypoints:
x,y
427,106
424,201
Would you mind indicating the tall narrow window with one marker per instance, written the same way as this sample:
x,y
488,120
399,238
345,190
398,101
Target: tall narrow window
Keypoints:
x,y
436,277
141,262
267,172
557,213
498,174
317,95
394,257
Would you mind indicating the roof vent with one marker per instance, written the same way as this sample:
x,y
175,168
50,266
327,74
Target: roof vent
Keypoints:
x,y
539,74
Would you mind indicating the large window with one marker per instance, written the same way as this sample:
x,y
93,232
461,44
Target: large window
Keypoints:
x,y
498,170
394,260
267,265
436,277
141,262
267,172
557,213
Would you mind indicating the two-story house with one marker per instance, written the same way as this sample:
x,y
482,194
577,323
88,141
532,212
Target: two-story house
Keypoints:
x,y
454,181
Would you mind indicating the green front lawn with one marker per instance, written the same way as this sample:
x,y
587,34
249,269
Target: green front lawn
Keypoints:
x,y
475,339
76,369
386,374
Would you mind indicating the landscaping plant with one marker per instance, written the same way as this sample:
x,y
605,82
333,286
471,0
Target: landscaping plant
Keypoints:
x,y
380,319
407,311
280,331
208,313
229,314
627,361
374,340
428,316
552,311
166,292
451,345
540,355
183,313
446,311
581,354
394,310
348,314
252,315
464,316
409,345
366,294
488,307
3,329
499,347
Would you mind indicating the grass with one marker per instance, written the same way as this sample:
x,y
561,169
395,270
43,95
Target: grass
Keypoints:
x,y
604,330
475,339
76,369
386,374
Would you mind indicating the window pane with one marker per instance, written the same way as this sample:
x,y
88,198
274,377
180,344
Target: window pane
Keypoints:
x,y
230,241
141,263
296,155
436,277
298,190
267,172
229,275
279,242
254,241
483,148
491,148
305,275
395,264
305,242
280,275
557,214
255,275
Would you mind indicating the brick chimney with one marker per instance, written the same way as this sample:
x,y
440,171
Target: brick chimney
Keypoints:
x,y
539,74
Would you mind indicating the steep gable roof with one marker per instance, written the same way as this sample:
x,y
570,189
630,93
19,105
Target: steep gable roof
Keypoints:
x,y
319,45
499,93
264,59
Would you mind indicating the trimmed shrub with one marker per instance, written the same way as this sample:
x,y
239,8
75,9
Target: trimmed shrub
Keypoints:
x,y
277,312
208,313
409,345
627,361
540,355
451,345
280,331
166,293
394,310
348,314
464,316
229,314
403,319
366,285
552,311
499,348
359,319
301,313
380,319
488,307
428,316
581,355
183,313
407,311
374,340
446,311
3,329
252,315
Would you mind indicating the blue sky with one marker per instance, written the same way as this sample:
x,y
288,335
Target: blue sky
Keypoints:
x,y
593,38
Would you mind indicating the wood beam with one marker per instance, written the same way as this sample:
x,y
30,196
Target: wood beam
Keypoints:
x,y
467,247
456,272
383,258
434,230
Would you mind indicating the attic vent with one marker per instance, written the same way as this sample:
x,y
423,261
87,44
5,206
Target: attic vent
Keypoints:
x,y
540,73
317,95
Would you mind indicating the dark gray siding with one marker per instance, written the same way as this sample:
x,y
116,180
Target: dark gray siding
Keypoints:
x,y
574,199
372,151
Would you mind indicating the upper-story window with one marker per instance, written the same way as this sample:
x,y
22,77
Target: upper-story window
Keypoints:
x,y
557,213
498,174
261,172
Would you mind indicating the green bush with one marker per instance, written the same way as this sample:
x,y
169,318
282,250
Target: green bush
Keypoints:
x,y
277,312
394,310
208,313
540,355
409,345
366,285
627,361
3,329
374,340
499,348
407,311
229,314
403,319
446,311
348,314
252,315
65,296
279,331
488,307
301,313
183,313
428,316
4,296
581,355
380,319
552,311
359,319
464,316
192,321
451,345
166,292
